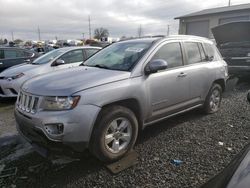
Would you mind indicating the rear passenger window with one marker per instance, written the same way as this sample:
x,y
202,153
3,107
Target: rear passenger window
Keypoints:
x,y
193,52
10,54
171,53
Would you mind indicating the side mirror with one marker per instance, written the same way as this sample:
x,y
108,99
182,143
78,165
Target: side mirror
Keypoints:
x,y
248,96
209,58
155,65
59,62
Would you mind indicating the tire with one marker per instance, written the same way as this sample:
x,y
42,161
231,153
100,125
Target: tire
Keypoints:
x,y
114,134
213,99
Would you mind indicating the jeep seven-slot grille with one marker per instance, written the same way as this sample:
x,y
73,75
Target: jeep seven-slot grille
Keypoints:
x,y
27,102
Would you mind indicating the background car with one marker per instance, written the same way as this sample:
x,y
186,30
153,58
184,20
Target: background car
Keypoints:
x,y
12,78
233,41
10,56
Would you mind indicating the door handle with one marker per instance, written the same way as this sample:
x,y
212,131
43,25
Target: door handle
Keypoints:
x,y
182,74
27,60
1,63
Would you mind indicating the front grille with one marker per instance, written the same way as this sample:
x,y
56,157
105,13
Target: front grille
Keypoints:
x,y
27,102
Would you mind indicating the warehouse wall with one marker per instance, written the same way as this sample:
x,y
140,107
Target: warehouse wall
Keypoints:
x,y
213,19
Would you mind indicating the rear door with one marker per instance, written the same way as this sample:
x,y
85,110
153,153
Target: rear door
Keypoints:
x,y
197,70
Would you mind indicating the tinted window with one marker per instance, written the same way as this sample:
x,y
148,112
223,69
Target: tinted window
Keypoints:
x,y
10,54
90,52
1,54
20,53
171,53
211,51
73,56
193,52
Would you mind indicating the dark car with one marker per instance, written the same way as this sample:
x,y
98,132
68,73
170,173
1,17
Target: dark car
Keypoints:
x,y
10,56
235,175
233,40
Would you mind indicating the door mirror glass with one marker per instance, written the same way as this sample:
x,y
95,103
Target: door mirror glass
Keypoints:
x,y
59,62
155,66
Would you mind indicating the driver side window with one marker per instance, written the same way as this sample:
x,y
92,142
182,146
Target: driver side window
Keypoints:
x,y
72,57
171,53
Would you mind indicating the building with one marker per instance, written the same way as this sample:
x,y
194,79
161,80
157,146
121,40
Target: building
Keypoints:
x,y
200,23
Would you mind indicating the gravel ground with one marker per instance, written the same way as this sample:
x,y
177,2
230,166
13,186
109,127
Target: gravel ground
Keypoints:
x,y
7,122
192,137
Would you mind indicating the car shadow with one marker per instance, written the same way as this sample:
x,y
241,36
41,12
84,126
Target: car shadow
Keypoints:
x,y
5,102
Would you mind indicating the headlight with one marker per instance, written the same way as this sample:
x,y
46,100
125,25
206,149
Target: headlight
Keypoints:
x,y
19,75
59,103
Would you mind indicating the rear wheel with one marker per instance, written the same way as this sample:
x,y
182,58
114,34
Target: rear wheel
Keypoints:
x,y
114,134
213,99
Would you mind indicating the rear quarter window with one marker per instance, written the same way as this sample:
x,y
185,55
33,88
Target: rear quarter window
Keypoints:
x,y
212,52
1,54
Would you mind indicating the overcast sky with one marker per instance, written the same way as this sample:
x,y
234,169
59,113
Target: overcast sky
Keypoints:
x,y
68,19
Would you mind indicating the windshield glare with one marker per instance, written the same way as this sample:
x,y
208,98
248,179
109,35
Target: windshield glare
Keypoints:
x,y
48,57
119,56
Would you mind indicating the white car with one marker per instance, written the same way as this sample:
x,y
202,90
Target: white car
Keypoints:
x,y
11,79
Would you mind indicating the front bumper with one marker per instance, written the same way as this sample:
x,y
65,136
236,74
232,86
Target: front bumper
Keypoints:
x,y
77,127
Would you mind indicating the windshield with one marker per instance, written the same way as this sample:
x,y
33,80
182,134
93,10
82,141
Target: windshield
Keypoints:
x,y
49,56
119,56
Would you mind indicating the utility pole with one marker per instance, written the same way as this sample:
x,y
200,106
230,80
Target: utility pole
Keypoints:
x,y
12,35
229,3
83,35
140,31
89,29
168,30
39,34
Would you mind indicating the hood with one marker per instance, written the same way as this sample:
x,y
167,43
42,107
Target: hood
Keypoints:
x,y
232,32
68,81
22,68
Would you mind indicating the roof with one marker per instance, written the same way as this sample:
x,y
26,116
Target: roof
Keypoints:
x,y
217,10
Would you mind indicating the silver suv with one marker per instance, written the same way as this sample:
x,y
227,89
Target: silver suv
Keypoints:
x,y
125,87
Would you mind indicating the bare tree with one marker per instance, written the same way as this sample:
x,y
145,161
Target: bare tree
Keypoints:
x,y
101,32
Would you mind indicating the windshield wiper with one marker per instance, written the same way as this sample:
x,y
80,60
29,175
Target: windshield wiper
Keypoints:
x,y
99,66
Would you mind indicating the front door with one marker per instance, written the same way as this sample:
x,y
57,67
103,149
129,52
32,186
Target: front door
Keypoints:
x,y
168,90
71,59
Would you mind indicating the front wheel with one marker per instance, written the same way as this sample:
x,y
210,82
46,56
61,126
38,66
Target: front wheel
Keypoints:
x,y
114,134
213,99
